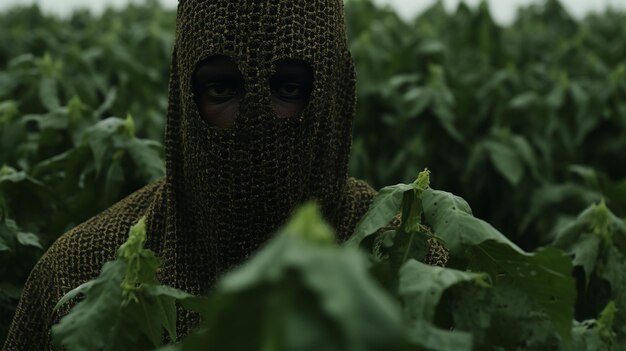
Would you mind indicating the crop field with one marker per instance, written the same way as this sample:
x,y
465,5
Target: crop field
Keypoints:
x,y
522,129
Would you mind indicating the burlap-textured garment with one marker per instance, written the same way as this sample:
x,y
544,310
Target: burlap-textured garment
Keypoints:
x,y
226,190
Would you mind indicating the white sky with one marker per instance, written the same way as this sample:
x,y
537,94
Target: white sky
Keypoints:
x,y
503,10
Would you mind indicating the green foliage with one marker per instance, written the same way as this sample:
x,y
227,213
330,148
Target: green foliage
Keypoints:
x,y
64,157
304,292
124,308
597,242
500,113
525,121
537,288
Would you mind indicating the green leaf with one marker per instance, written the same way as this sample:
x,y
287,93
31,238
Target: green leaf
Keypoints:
x,y
418,99
8,234
545,276
507,161
100,139
422,286
412,204
380,214
48,94
108,102
147,156
80,290
517,322
585,337
129,124
87,325
155,309
28,239
141,263
587,236
451,220
606,321
123,307
307,223
524,101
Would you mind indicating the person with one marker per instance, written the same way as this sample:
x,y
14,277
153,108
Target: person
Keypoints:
x,y
261,104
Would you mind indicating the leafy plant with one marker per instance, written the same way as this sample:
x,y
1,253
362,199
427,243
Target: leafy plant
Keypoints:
x,y
303,291
124,308
525,121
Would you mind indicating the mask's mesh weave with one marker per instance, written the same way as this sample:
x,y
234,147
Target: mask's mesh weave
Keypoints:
x,y
226,190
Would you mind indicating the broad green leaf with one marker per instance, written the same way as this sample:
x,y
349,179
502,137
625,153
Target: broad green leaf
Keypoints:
x,y
451,220
545,276
380,214
507,161
87,325
587,237
517,322
422,286
154,310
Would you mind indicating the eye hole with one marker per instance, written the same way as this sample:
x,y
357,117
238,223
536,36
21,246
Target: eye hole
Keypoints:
x,y
218,87
217,80
292,82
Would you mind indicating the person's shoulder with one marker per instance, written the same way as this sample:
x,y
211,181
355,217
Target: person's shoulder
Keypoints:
x,y
359,195
76,257
86,247
357,198
360,188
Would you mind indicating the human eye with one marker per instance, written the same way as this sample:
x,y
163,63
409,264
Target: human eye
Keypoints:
x,y
220,92
290,91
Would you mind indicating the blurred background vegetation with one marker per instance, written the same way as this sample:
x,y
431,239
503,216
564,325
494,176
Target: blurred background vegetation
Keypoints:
x,y
526,121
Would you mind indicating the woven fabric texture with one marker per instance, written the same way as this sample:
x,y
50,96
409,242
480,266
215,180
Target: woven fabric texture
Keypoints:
x,y
226,190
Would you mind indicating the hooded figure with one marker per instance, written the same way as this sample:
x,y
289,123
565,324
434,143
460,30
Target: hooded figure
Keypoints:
x,y
227,189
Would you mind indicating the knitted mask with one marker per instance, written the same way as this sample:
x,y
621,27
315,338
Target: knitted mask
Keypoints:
x,y
229,189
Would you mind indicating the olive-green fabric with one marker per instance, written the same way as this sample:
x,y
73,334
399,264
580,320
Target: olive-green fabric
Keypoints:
x,y
226,190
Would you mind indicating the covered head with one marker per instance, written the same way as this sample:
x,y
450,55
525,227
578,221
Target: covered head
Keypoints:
x,y
228,189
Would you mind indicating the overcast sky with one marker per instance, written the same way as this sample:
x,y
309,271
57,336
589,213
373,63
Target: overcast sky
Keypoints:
x,y
503,10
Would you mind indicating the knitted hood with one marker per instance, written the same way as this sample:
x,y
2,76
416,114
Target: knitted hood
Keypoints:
x,y
227,190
